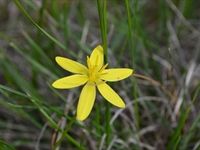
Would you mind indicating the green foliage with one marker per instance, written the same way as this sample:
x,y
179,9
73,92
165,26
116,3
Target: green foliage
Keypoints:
x,y
158,39
5,146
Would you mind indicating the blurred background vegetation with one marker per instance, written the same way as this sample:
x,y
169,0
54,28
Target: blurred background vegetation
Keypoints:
x,y
160,39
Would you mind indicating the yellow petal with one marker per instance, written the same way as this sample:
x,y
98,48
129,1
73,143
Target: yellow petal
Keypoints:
x,y
110,95
116,74
86,101
97,57
70,81
70,65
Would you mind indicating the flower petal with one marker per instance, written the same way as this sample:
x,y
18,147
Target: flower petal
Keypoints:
x,y
116,74
71,65
97,57
86,101
110,95
70,81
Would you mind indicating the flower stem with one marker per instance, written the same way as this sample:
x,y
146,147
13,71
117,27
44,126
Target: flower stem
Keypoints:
x,y
102,4
132,44
103,25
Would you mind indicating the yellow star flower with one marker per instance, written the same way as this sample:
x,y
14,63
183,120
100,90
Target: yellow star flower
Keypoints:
x,y
94,75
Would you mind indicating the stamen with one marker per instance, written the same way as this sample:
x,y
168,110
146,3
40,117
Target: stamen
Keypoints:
x,y
88,62
93,72
104,67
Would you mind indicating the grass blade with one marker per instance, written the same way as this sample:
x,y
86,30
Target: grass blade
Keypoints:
x,y
176,135
25,13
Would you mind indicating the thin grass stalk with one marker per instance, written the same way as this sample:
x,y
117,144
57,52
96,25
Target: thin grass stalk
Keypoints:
x,y
132,47
188,8
41,108
25,13
102,11
177,134
132,43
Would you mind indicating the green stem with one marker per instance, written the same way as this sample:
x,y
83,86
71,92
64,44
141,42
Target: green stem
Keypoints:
x,y
41,108
25,13
66,130
103,25
102,5
132,44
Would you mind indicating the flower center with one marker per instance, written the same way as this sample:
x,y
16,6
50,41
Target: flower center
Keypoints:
x,y
94,73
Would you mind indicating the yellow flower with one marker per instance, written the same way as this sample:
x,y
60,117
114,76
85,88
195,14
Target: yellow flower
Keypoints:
x,y
94,75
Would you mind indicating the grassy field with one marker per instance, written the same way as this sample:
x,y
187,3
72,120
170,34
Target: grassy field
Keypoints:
x,y
158,39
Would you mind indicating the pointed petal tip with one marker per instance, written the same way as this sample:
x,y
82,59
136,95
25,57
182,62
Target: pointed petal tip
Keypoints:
x,y
57,57
131,71
122,106
99,46
54,84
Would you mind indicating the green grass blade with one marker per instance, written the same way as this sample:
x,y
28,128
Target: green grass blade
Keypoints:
x,y
176,135
102,11
103,24
46,115
34,62
37,50
25,13
5,146
13,91
188,8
